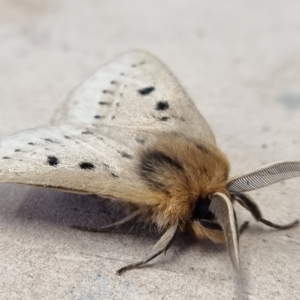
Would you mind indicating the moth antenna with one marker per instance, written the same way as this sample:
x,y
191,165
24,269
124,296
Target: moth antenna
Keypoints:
x,y
264,176
111,226
222,208
161,246
248,203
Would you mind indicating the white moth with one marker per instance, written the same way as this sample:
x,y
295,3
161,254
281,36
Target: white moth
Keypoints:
x,y
131,133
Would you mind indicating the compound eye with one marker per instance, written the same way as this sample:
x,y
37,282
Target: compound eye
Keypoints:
x,y
201,211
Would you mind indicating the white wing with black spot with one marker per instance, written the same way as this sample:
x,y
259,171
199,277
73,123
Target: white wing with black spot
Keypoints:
x,y
92,144
134,93
68,158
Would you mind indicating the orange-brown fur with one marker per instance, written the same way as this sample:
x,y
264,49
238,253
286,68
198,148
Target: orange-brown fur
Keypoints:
x,y
204,171
200,232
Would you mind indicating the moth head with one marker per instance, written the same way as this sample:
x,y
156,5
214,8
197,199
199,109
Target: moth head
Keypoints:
x,y
204,218
204,223
214,218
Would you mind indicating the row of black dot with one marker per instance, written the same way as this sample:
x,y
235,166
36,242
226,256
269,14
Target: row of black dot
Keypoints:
x,y
160,105
31,144
54,161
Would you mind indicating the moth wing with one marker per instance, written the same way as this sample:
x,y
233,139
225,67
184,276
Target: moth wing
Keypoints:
x,y
71,159
134,92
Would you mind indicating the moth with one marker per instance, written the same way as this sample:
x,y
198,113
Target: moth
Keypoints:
x,y
131,133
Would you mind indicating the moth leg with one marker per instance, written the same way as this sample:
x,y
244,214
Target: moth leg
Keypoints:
x,y
252,207
210,224
243,227
111,226
161,246
216,226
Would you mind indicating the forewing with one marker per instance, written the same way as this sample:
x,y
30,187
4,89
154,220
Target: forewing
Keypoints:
x,y
68,158
135,92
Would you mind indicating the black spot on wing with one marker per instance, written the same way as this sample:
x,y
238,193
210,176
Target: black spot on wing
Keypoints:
x,y
146,90
164,119
113,117
113,82
6,157
104,103
67,137
49,140
31,144
86,165
17,150
107,92
162,105
52,160
86,132
111,173
126,155
140,140
99,117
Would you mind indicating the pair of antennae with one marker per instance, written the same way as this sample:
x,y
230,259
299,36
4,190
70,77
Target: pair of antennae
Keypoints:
x,y
221,206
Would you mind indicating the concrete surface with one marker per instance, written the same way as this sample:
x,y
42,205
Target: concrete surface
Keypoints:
x,y
240,62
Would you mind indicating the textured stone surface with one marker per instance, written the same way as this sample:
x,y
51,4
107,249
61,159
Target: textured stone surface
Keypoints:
x,y
239,61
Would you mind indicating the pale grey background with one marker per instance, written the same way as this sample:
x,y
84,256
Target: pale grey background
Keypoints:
x,y
240,62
